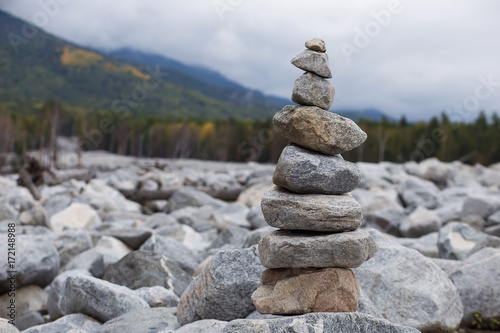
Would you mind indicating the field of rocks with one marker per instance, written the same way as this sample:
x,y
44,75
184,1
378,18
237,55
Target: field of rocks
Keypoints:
x,y
181,253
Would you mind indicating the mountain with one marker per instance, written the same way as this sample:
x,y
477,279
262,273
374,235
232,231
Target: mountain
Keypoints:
x,y
201,73
38,67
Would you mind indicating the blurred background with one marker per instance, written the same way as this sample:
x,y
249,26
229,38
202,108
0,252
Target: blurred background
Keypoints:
x,y
204,79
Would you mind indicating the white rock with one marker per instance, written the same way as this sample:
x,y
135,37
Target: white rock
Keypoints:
x,y
76,216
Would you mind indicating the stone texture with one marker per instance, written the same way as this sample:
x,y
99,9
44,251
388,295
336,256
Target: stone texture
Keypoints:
x,y
76,216
256,217
477,283
314,212
481,205
222,290
318,322
427,245
420,222
404,286
315,62
419,192
28,320
304,171
34,216
69,243
29,298
203,326
173,250
187,197
293,249
5,327
157,296
37,262
317,129
316,44
488,241
457,239
143,321
298,291
55,292
85,295
66,324
311,89
132,237
387,220
148,269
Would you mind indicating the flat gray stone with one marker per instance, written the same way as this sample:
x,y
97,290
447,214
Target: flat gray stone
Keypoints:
x,y
316,44
318,322
311,89
409,289
203,326
222,290
316,129
97,298
305,171
387,220
66,324
312,61
313,212
293,249
143,321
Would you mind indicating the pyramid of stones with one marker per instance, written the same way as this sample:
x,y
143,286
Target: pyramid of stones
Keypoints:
x,y
309,259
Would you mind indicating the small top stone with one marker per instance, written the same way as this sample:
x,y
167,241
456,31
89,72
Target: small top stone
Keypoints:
x,y
316,44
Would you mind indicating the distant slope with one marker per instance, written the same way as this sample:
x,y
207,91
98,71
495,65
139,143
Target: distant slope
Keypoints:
x,y
215,84
46,67
198,72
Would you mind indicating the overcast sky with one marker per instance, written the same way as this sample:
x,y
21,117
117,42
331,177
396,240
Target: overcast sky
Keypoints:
x,y
414,57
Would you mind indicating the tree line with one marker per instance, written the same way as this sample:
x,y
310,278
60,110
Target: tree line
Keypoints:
x,y
239,140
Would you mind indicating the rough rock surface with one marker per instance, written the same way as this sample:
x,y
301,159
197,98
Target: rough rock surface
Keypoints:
x,y
404,285
477,283
420,222
293,249
315,62
66,324
147,269
331,134
313,90
85,294
299,291
304,171
318,322
204,326
143,321
222,290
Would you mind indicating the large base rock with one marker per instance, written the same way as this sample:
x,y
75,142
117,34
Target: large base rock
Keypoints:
x,y
292,249
300,291
409,288
318,322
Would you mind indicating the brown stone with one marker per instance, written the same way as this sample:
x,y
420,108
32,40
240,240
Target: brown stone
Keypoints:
x,y
292,291
316,129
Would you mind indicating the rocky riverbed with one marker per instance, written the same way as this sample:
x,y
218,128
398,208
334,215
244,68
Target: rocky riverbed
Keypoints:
x,y
87,259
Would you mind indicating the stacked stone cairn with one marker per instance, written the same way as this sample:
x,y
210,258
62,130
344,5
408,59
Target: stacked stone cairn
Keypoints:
x,y
309,259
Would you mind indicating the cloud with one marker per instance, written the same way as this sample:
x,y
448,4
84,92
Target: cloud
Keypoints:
x,y
420,61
